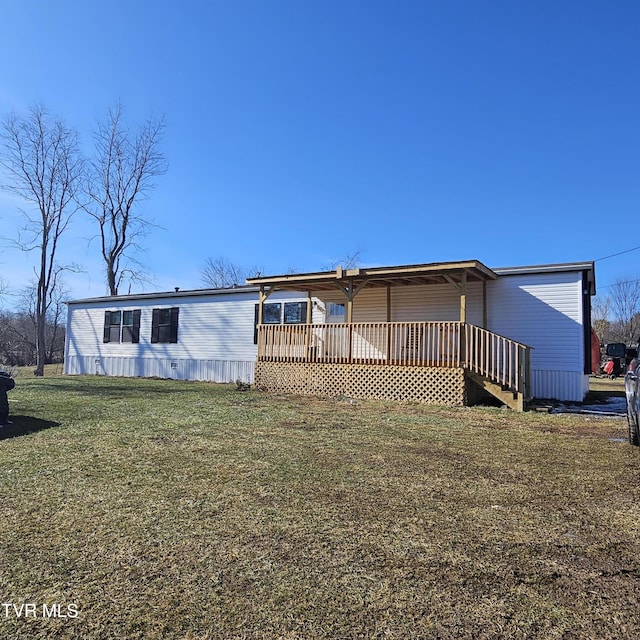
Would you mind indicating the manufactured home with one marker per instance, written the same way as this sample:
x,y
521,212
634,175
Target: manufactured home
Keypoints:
x,y
444,333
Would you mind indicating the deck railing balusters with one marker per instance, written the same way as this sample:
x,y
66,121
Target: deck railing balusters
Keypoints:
x,y
432,344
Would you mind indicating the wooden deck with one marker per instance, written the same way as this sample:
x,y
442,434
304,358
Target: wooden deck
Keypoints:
x,y
497,363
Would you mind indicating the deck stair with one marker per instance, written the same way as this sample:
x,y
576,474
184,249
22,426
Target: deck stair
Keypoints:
x,y
510,397
500,366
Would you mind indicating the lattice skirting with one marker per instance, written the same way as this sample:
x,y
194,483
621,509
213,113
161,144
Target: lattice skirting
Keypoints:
x,y
429,385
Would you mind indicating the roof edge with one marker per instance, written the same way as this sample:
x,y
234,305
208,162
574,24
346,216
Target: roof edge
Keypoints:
x,y
187,293
588,266
341,273
546,268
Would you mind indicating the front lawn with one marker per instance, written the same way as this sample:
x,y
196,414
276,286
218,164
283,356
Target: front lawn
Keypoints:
x,y
162,509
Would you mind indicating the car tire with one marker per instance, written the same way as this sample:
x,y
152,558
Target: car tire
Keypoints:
x,y
633,427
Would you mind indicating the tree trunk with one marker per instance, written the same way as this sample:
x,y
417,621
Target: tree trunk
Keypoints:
x,y
111,278
41,346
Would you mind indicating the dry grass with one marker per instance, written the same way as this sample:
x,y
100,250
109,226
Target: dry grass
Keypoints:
x,y
607,386
183,510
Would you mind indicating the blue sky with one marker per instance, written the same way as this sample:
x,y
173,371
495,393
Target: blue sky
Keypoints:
x,y
299,131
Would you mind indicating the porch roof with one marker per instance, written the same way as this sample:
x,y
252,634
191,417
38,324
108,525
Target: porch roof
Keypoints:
x,y
431,273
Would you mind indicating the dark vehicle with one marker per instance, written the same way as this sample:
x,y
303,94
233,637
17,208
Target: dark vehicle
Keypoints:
x,y
631,383
615,364
6,384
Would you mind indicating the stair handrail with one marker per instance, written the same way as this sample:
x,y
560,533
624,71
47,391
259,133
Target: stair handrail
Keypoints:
x,y
502,360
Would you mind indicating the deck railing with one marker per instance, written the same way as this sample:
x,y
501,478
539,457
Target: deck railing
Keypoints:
x,y
432,344
501,360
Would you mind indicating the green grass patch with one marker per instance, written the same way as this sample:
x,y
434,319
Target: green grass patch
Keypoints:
x,y
164,509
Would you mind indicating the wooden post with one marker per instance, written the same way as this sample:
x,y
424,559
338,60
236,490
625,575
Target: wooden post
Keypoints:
x,y
388,324
261,299
307,329
463,297
349,319
484,304
262,296
349,314
350,291
462,349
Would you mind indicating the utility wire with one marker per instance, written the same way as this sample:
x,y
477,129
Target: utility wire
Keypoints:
x,y
613,255
604,286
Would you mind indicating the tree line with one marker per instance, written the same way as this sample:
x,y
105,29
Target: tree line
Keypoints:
x,y
18,335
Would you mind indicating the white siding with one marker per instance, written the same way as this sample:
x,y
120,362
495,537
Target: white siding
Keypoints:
x,y
544,311
215,338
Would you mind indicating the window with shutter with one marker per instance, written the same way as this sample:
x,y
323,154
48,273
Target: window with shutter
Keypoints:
x,y
121,326
164,325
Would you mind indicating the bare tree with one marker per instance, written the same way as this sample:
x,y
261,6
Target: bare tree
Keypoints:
x,y
348,261
122,174
600,320
41,158
220,273
625,306
4,288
